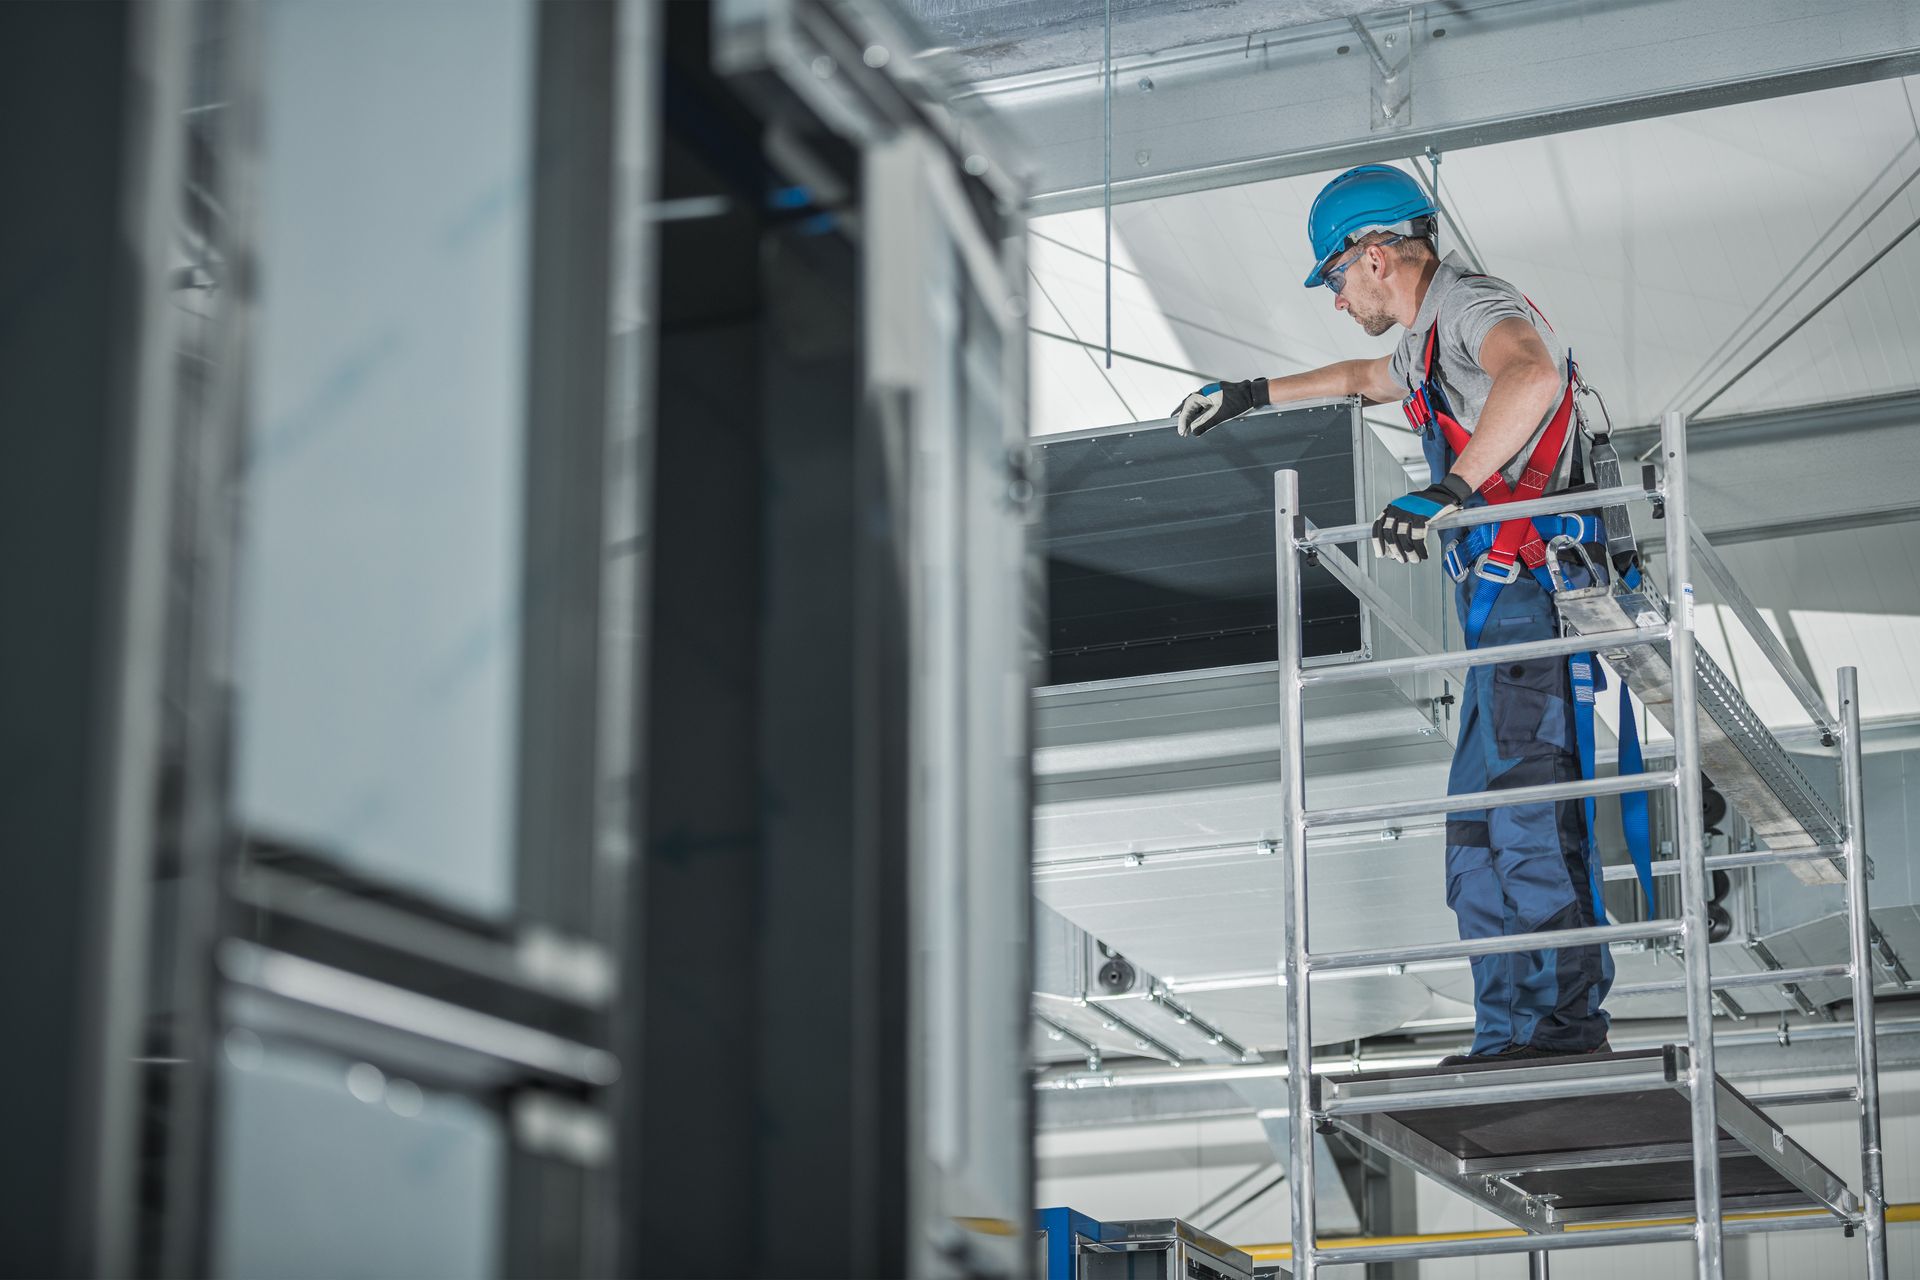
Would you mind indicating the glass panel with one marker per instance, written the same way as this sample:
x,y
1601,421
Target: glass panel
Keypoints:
x,y
379,600
330,1167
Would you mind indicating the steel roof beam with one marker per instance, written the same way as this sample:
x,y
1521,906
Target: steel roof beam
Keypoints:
x,y
1276,104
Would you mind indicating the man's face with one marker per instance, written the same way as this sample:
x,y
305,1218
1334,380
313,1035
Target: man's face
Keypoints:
x,y
1363,296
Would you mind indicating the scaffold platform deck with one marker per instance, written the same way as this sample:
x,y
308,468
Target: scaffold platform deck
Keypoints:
x,y
1601,1138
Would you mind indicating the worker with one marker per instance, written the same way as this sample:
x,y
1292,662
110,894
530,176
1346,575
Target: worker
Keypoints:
x,y
1490,389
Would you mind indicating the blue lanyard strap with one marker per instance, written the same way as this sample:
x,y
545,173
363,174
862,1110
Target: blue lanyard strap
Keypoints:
x,y
1633,806
1587,676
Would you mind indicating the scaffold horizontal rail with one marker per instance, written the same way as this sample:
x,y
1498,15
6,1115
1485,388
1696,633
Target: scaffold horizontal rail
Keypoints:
x,y
1468,947
1505,798
1455,658
1729,861
1482,1093
1553,504
1806,1097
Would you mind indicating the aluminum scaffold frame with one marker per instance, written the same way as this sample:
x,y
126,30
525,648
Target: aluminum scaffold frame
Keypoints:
x,y
1295,538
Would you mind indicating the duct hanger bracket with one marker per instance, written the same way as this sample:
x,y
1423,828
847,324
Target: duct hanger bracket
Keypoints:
x,y
1390,76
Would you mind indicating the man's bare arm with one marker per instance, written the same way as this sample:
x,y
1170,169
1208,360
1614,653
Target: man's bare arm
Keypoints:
x,y
1368,378
1525,383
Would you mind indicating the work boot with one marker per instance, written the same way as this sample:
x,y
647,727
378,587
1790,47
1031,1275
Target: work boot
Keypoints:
x,y
1476,1059
1530,1053
1519,1053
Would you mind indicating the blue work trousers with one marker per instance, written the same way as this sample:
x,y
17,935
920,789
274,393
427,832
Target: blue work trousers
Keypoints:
x,y
1524,868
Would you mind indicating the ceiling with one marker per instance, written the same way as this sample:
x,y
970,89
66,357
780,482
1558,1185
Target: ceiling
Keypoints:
x,y
1670,252
995,38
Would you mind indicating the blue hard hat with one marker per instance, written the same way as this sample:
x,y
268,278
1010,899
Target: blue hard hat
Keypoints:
x,y
1361,200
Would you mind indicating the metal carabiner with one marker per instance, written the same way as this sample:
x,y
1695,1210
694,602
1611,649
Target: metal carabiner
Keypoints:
x,y
1554,546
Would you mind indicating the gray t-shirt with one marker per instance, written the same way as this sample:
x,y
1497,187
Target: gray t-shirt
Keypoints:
x,y
1467,307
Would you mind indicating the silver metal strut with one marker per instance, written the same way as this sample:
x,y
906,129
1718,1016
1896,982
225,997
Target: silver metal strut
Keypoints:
x,y
1866,1048
1293,892
1694,879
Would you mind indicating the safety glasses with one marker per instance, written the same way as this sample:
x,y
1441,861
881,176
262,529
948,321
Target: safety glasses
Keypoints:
x,y
1335,277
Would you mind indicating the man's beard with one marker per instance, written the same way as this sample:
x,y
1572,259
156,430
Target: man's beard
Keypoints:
x,y
1374,322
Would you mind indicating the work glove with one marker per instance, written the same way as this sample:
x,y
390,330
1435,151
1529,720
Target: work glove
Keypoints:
x,y
1218,402
1401,531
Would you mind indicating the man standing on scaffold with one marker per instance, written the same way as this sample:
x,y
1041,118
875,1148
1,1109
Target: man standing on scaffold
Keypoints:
x,y
1490,390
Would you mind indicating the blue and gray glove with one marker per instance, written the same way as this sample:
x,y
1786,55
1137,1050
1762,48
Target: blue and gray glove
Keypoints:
x,y
1401,531
1218,402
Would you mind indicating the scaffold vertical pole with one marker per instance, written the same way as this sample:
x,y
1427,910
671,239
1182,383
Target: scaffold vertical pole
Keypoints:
x,y
1859,924
1693,856
1293,891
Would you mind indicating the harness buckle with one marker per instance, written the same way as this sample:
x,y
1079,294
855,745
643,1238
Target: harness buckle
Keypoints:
x,y
1504,573
1450,559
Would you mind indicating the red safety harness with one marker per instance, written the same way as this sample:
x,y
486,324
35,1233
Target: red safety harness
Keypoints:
x,y
1518,541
